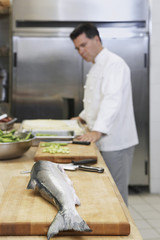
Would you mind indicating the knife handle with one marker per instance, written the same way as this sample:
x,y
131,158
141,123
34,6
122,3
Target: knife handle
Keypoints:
x,y
85,161
91,169
81,142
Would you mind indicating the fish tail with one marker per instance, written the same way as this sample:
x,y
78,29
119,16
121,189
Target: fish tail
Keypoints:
x,y
56,226
67,221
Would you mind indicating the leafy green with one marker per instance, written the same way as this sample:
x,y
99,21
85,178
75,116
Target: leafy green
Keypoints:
x,y
10,136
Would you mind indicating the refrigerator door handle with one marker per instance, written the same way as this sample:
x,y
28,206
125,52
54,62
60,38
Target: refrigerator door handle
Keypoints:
x,y
69,107
15,59
145,60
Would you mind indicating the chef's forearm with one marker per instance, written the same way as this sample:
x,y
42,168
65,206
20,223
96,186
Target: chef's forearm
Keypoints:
x,y
79,119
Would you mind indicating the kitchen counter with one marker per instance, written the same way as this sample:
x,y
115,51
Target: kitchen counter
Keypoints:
x,y
10,168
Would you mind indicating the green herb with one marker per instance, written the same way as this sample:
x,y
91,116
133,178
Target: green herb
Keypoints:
x,y
55,148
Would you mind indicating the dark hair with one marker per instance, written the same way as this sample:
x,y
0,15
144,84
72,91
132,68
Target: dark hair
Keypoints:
x,y
88,28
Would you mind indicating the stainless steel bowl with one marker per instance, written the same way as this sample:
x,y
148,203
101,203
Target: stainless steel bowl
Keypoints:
x,y
15,149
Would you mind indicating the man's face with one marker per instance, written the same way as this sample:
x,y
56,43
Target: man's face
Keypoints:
x,y
87,48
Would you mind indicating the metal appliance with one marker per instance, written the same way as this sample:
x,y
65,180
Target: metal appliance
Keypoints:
x,y
3,85
48,74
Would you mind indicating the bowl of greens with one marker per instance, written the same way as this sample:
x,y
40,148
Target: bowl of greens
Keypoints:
x,y
14,144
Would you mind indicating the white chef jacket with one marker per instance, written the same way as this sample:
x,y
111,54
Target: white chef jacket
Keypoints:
x,y
108,106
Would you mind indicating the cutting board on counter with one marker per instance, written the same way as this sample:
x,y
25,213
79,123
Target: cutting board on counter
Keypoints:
x,y
25,212
77,152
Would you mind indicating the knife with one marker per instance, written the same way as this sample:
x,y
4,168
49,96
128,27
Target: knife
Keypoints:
x,y
81,142
73,142
84,161
72,167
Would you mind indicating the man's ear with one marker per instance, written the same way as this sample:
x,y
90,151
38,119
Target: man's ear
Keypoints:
x,y
97,38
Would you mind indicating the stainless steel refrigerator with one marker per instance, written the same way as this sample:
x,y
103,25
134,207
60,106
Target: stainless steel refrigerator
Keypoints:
x,y
48,74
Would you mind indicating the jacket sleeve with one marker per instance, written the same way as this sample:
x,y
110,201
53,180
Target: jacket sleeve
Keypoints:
x,y
82,115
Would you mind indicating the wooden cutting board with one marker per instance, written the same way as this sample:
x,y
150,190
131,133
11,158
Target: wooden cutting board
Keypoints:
x,y
25,212
77,152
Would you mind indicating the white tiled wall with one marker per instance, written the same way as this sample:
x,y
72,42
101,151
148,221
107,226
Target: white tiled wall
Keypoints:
x,y
155,97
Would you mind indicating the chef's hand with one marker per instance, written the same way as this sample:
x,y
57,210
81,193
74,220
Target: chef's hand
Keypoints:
x,y
92,136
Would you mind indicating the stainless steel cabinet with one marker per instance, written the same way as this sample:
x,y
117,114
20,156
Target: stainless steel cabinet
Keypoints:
x,y
47,78
135,51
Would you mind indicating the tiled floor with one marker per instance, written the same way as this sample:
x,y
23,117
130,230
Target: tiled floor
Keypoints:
x,y
145,210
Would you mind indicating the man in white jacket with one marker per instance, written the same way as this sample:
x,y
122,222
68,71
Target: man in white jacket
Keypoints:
x,y
108,107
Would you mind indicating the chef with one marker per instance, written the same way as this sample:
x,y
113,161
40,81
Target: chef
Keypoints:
x,y
108,107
